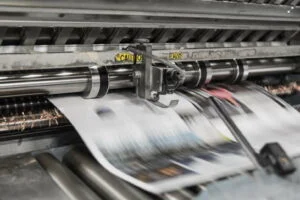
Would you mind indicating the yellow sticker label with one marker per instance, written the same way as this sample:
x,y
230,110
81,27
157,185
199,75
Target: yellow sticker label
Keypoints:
x,y
175,56
127,57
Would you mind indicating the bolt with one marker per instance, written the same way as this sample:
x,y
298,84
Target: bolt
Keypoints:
x,y
137,74
154,95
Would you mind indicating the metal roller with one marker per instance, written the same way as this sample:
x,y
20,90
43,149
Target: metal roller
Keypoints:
x,y
94,81
91,81
242,69
99,179
276,66
65,179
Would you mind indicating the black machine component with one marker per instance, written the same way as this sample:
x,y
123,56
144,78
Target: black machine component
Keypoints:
x,y
276,157
271,155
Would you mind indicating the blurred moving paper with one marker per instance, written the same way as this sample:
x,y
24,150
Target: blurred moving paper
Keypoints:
x,y
156,149
264,118
270,119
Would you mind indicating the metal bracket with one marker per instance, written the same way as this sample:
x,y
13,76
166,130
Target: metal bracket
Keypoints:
x,y
151,81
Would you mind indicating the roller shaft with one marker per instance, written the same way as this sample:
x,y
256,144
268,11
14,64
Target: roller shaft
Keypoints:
x,y
65,179
99,179
84,80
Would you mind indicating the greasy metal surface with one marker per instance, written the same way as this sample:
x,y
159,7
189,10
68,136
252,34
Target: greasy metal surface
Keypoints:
x,y
65,179
22,178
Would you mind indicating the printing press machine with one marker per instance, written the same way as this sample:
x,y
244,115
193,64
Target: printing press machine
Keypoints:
x,y
150,47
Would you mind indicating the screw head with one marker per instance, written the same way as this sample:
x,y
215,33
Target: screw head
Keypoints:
x,y
137,74
154,95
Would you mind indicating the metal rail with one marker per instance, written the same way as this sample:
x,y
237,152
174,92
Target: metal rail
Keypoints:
x,y
154,14
161,8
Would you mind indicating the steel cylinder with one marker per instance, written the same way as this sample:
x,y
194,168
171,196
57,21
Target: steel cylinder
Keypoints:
x,y
48,81
98,178
94,82
65,179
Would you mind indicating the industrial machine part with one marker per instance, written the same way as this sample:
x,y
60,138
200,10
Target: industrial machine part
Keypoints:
x,y
23,178
101,181
91,48
65,179
94,81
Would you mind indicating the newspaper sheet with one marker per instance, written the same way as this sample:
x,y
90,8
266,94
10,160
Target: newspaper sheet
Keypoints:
x,y
156,149
264,118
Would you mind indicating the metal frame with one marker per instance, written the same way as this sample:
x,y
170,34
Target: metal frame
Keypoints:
x,y
155,14
161,8
22,57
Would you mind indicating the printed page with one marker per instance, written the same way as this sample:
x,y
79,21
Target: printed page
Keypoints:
x,y
156,149
264,118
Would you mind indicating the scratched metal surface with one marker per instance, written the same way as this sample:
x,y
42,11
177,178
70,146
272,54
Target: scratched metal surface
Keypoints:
x,y
22,178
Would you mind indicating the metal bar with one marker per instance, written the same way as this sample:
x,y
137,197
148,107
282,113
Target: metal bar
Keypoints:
x,y
76,80
117,35
205,35
30,35
269,49
58,81
235,131
162,8
65,179
98,178
272,36
49,81
257,69
239,37
230,53
288,36
2,34
278,2
292,2
186,35
143,34
164,35
256,36
62,36
118,82
223,36
154,57
91,36
151,22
